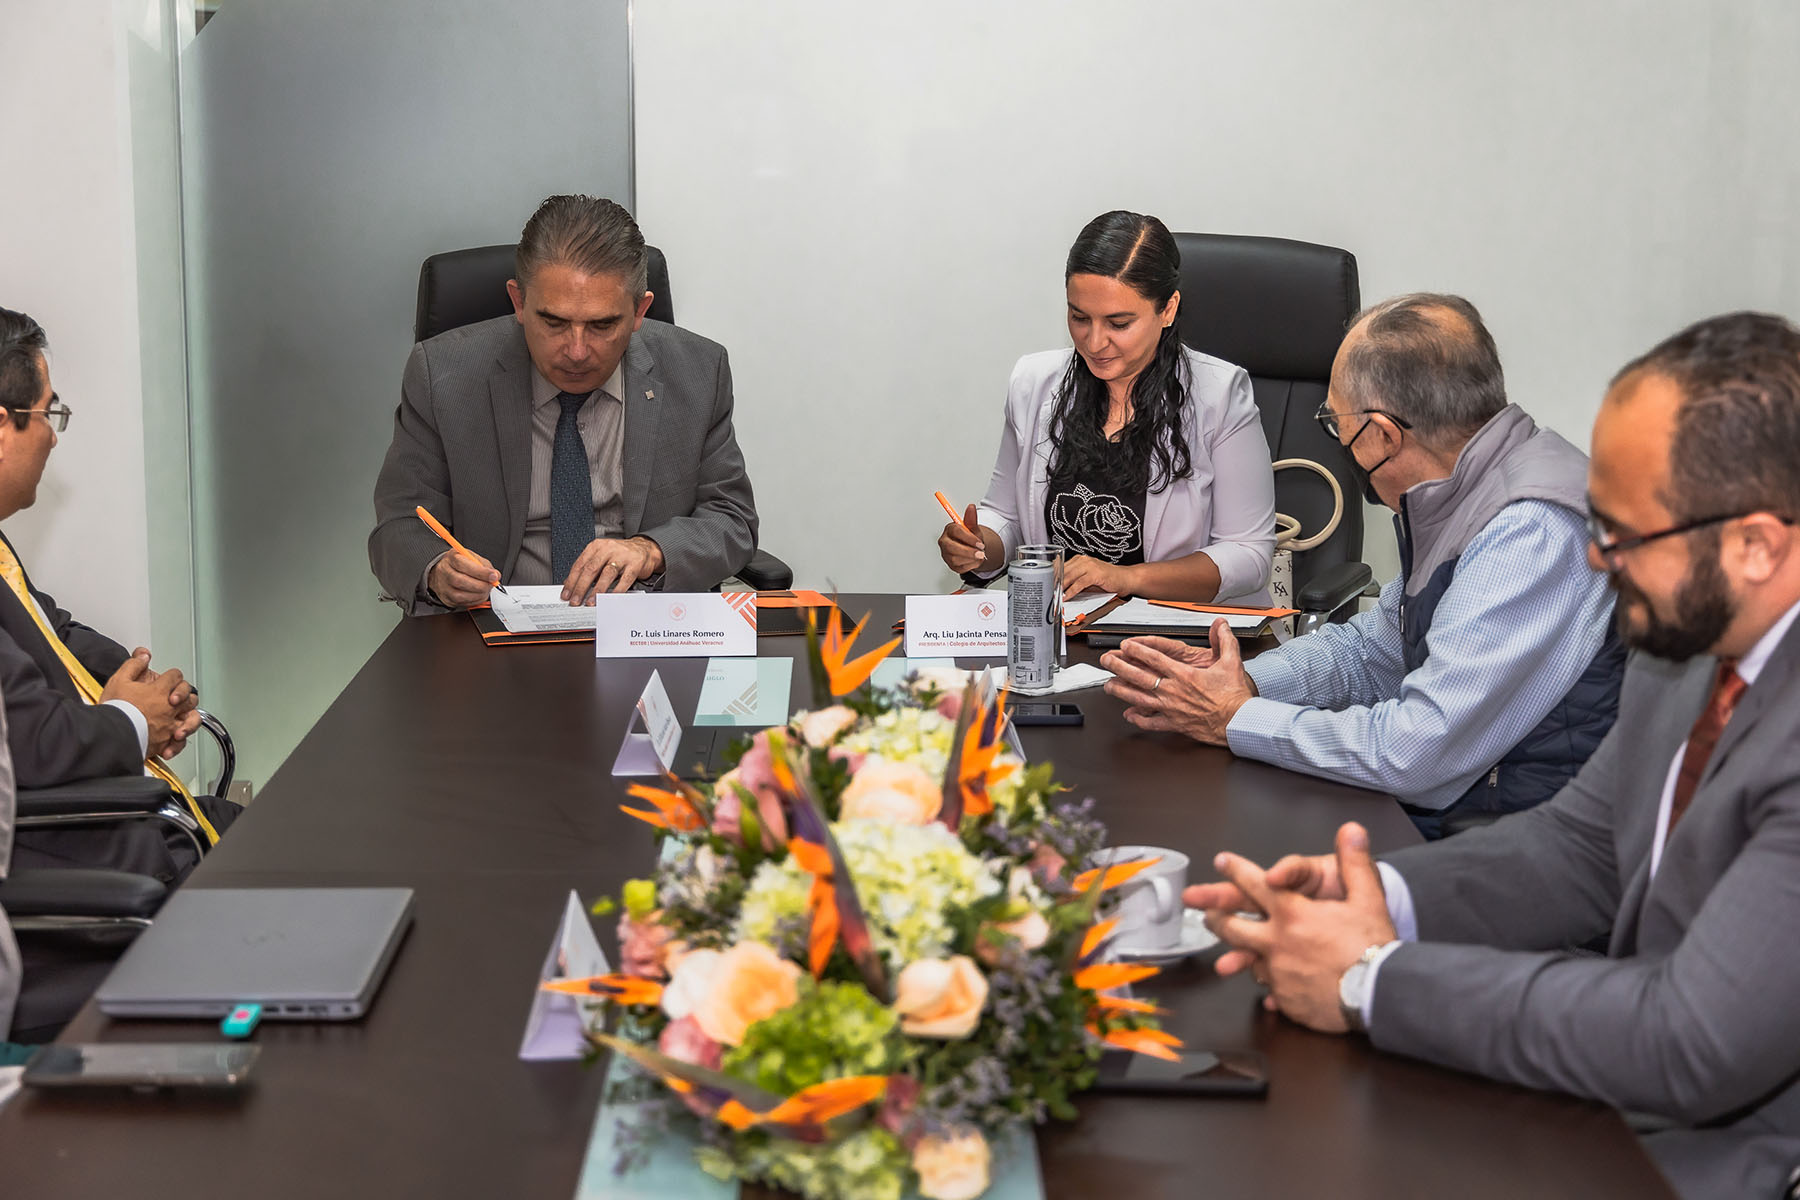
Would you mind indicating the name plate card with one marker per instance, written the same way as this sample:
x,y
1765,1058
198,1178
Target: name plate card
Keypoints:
x,y
972,625
675,624
652,735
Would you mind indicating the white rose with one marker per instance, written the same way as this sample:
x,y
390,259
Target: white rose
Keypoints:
x,y
822,728
689,982
952,1167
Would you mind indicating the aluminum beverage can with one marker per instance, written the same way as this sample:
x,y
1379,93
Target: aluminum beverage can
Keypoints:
x,y
1033,621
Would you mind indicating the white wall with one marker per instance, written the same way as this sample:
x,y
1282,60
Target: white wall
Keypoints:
x,y
69,254
870,205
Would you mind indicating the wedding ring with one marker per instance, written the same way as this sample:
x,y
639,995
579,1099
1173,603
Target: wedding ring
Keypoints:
x,y
1157,684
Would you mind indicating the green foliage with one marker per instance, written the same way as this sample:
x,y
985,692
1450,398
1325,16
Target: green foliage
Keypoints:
x,y
835,1030
868,1164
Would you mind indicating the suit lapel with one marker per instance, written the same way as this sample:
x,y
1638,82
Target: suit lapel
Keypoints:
x,y
1771,682
1686,695
509,393
643,412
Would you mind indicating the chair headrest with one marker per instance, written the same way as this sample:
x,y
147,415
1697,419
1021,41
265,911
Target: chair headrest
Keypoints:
x,y
1275,307
461,287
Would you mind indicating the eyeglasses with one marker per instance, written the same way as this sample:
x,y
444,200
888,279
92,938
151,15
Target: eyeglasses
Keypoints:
x,y
1611,550
1330,420
55,412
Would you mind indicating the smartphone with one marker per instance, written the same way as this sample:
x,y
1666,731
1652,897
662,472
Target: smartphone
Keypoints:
x,y
1199,1073
141,1065
1043,713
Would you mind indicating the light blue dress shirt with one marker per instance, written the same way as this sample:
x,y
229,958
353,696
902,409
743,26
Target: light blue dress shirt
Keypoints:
x,y
1517,626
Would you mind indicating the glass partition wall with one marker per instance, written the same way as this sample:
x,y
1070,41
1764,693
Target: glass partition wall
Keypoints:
x,y
327,147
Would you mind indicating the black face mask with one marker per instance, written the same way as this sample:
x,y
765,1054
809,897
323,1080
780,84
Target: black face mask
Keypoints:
x,y
1365,475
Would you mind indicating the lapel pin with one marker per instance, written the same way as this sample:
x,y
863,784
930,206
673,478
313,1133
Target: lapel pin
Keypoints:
x,y
649,395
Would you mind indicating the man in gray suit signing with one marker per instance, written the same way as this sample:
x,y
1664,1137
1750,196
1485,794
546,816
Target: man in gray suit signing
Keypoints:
x,y
1679,840
569,443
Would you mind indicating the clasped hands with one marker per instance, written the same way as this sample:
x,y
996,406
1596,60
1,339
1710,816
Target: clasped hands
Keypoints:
x,y
1174,687
169,703
1298,926
605,565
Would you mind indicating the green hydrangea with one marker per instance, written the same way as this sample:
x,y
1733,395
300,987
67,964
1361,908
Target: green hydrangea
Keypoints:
x,y
869,1164
908,878
913,735
834,1030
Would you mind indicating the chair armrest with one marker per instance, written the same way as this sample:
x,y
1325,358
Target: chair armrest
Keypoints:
x,y
1334,587
120,795
76,892
766,573
227,752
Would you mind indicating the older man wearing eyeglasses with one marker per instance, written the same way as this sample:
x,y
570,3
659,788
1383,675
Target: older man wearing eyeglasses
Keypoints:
x,y
1489,670
77,705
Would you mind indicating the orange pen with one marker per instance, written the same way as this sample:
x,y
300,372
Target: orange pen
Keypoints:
x,y
450,540
951,509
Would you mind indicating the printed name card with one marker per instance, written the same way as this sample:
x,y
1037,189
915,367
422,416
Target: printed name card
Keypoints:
x,y
652,735
675,624
971,625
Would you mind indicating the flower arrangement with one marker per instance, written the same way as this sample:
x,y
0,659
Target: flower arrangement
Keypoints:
x,y
869,949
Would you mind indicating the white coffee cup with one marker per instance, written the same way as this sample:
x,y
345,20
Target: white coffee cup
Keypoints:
x,y
1150,906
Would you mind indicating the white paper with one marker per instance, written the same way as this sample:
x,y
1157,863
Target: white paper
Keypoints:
x,y
1142,612
652,734
538,608
971,625
675,624
1075,677
556,1025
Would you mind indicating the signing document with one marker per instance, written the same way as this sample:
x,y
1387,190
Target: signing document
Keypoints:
x,y
1136,613
539,608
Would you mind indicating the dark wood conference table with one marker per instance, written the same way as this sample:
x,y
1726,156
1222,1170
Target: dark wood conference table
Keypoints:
x,y
480,777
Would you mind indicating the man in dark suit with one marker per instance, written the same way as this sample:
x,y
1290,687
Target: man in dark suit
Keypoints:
x,y
570,443
1679,840
78,706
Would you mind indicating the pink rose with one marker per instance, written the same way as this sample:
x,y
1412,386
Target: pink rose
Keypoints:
x,y
756,773
949,705
728,807
644,947
684,1041
897,1105
852,759
1047,864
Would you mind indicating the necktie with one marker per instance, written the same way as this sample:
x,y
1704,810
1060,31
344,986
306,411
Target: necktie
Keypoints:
x,y
1728,686
571,490
88,686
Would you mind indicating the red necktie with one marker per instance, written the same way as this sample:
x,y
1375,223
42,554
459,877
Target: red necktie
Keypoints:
x,y
1728,685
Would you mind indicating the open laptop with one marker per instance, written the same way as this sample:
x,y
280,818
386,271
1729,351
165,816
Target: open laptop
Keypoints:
x,y
308,954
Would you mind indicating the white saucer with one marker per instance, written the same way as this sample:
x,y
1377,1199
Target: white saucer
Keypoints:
x,y
1195,937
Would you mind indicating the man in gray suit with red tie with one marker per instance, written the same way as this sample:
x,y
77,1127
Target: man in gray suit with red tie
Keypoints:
x,y
1679,841
569,443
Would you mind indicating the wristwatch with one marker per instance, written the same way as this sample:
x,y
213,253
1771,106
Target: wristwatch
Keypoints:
x,y
1353,988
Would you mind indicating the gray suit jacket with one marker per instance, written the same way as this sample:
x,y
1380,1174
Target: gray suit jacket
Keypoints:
x,y
462,448
1693,1016
10,969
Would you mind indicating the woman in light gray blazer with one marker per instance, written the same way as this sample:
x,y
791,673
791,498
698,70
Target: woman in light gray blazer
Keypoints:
x,y
1144,460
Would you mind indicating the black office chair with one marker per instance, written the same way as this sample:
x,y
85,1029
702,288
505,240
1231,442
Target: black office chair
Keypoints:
x,y
1279,309
73,923
461,287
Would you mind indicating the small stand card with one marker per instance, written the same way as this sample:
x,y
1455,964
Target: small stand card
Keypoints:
x,y
557,1024
652,735
675,624
971,625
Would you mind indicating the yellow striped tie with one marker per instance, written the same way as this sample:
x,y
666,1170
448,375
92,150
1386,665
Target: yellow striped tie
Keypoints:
x,y
88,686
